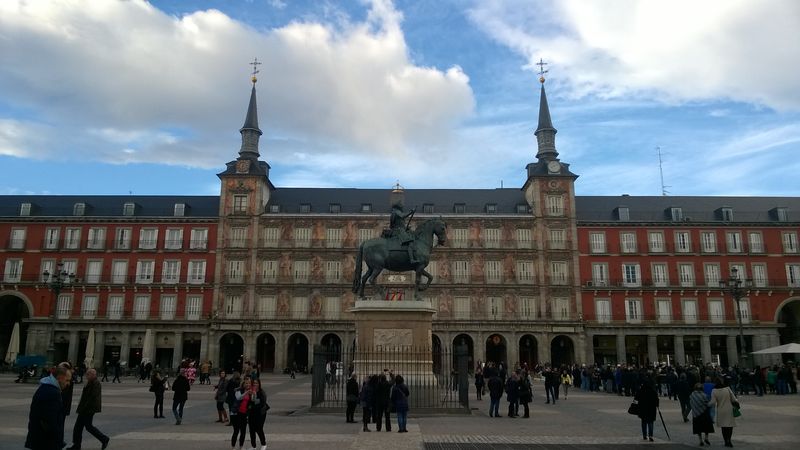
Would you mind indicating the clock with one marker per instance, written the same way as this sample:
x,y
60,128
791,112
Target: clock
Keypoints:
x,y
554,167
242,166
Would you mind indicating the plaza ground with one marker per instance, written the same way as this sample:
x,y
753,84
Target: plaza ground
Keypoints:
x,y
584,420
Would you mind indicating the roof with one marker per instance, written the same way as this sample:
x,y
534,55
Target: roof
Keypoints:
x,y
109,205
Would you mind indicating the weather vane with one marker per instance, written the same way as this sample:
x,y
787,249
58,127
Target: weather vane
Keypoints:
x,y
255,65
542,70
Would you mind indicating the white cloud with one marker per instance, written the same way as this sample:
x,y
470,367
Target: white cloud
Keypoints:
x,y
671,51
113,81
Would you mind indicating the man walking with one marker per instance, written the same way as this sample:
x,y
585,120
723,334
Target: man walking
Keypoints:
x,y
46,417
117,370
88,406
180,387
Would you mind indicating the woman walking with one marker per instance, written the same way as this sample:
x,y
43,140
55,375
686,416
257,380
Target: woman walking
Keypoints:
x,y
257,414
648,406
238,414
181,388
157,388
399,398
352,398
566,381
701,414
724,400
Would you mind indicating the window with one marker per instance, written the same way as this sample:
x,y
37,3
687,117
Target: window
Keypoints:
x,y
272,236
524,239
494,271
300,271
179,210
299,307
233,306
558,239
734,240
597,242
790,242
119,272
525,272
460,271
115,303
712,274
744,310
78,209
623,214
333,238
726,214
491,237
690,311
599,274
170,273
269,271
193,307
491,208
522,208
602,310
676,214
96,240
782,214
334,208
144,272
240,204
366,207
708,242
461,308
64,307
682,242
664,310
558,273
122,239
686,275
460,237
274,208
427,208
555,205
333,271
740,269
494,306
51,239
199,239
655,241
168,305
13,271
756,242
48,265
235,271
302,237
174,239
94,269
631,275
627,242
70,266
561,308
305,208
17,239
660,275
759,275
141,307
197,272
266,306
459,208
148,238
128,209
332,308
793,275
527,308
72,238
25,209
365,234
716,314
633,310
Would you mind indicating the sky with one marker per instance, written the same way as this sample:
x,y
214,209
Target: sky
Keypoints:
x,y
119,97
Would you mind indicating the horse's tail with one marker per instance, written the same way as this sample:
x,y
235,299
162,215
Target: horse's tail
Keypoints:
x,y
357,269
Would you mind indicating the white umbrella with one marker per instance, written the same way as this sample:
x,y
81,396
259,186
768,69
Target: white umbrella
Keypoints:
x,y
89,358
13,345
147,347
786,348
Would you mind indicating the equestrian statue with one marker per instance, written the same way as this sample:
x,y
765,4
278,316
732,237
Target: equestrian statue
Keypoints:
x,y
399,250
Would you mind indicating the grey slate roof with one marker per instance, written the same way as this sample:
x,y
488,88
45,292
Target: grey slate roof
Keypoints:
x,y
110,205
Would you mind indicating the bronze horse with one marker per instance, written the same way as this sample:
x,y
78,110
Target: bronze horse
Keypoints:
x,y
387,253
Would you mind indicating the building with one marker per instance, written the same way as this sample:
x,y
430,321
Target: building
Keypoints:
x,y
530,274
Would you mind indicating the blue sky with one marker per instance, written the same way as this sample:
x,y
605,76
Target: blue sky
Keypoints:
x,y
118,97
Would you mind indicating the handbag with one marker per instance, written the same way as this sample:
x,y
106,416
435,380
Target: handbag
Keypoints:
x,y
152,388
737,412
634,408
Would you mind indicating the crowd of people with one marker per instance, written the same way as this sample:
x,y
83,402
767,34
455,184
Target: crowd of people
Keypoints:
x,y
378,395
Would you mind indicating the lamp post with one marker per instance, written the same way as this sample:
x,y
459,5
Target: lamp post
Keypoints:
x,y
56,282
736,287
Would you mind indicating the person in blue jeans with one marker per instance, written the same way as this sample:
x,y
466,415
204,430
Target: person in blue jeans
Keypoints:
x,y
495,385
399,398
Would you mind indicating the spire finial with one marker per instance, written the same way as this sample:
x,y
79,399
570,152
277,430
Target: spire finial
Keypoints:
x,y
255,65
542,70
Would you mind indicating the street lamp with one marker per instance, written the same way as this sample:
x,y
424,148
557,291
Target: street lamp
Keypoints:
x,y
736,287
56,281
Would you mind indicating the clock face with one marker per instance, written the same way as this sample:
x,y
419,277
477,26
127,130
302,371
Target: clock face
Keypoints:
x,y
554,167
242,166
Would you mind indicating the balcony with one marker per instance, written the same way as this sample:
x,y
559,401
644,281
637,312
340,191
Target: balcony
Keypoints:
x,y
654,320
199,245
173,245
15,244
649,284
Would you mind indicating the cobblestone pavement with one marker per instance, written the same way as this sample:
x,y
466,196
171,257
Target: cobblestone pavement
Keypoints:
x,y
584,421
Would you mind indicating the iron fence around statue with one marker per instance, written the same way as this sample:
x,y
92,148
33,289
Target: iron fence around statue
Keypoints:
x,y
437,379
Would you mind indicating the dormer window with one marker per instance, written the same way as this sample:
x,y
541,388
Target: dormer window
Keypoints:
x,y
491,208
782,214
623,214
128,209
335,208
676,214
180,209
274,208
726,214
522,208
366,207
427,208
78,209
459,208
25,209
305,208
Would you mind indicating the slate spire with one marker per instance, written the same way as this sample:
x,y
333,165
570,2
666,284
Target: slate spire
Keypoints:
x,y
545,133
250,131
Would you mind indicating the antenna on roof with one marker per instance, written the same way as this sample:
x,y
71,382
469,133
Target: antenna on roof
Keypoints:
x,y
501,184
664,187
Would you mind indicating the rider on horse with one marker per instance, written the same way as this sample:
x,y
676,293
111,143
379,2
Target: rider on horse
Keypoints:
x,y
398,229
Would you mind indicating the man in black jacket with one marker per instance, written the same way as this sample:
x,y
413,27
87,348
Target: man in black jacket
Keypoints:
x,y
382,402
180,387
46,418
495,385
89,405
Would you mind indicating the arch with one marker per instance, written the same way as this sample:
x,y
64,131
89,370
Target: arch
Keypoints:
x,y
496,349
562,351
528,350
783,304
265,352
231,352
297,352
332,345
788,314
14,308
464,339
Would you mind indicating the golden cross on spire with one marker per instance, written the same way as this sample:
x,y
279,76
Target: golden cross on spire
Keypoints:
x,y
255,65
542,70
